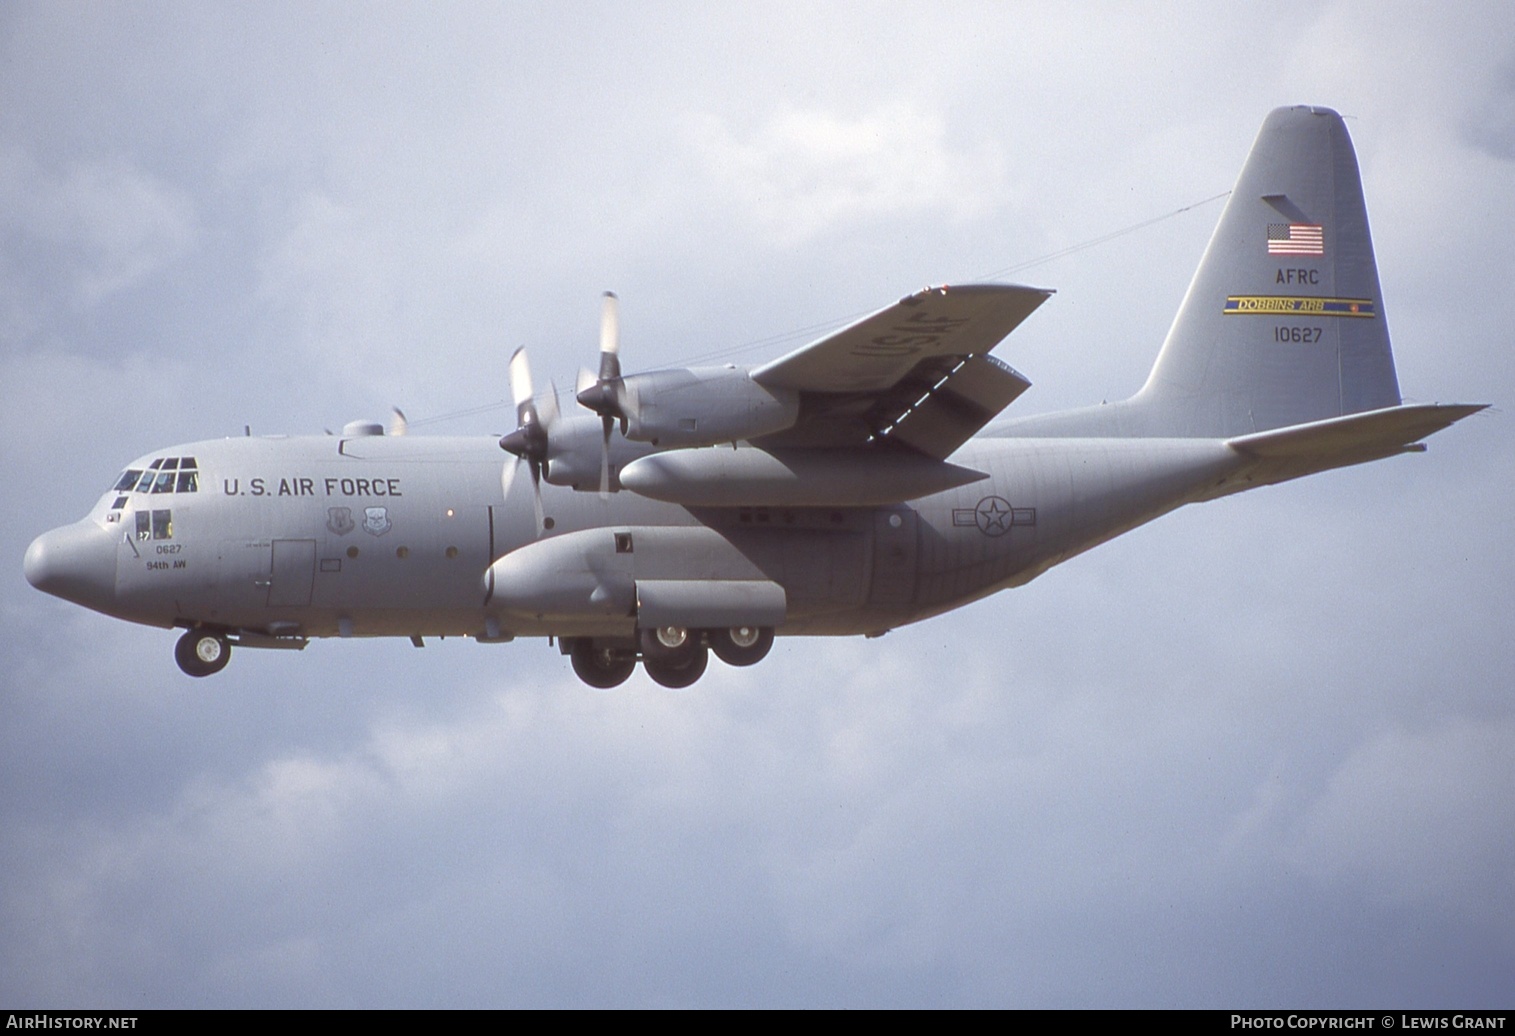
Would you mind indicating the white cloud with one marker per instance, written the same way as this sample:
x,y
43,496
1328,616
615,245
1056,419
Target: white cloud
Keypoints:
x,y
802,172
110,223
1423,818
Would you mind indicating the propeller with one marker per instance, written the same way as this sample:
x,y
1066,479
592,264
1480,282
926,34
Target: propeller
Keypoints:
x,y
529,441
398,425
603,394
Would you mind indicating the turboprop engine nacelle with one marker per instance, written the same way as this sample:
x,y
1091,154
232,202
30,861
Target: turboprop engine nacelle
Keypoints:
x,y
748,476
573,453
703,406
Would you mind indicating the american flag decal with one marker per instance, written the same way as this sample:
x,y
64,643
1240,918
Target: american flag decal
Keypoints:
x,y
1296,239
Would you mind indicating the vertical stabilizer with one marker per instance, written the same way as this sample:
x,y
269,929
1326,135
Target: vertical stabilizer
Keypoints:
x,y
1283,323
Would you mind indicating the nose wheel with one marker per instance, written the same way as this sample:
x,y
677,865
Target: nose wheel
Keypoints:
x,y
202,652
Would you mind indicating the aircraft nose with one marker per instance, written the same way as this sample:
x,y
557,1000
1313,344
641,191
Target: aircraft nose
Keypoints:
x,y
76,562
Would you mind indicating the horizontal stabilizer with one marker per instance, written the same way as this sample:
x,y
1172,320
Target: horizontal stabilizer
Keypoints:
x,y
1304,449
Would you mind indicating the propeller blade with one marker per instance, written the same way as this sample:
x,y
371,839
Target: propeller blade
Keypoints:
x,y
547,413
507,478
530,438
520,381
605,423
529,442
602,394
610,336
536,496
397,423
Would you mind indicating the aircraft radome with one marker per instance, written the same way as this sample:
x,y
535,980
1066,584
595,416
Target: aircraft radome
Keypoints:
x,y
841,489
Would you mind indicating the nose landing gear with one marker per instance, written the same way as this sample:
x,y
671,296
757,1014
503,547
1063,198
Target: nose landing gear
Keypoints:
x,y
201,652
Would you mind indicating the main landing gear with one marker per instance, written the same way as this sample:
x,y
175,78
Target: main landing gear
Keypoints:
x,y
201,652
741,645
674,656
601,667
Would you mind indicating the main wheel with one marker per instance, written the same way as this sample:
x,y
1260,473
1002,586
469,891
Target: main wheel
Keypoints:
x,y
202,652
671,645
600,667
677,676
741,645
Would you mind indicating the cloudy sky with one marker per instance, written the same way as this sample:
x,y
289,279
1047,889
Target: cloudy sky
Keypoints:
x,y
1261,752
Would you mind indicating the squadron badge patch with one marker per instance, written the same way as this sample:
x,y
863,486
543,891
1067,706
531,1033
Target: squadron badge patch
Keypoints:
x,y
376,520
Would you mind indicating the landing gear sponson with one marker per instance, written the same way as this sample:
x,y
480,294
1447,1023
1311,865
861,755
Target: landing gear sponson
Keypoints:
x,y
674,656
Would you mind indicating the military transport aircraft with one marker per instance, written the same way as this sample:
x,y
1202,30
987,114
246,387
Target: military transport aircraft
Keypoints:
x,y
841,489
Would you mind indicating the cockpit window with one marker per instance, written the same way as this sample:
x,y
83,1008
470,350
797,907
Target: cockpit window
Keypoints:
x,y
163,475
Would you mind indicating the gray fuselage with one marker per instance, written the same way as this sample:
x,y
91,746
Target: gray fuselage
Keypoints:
x,y
393,536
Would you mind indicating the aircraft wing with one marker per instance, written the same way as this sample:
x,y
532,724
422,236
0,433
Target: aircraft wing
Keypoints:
x,y
916,372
